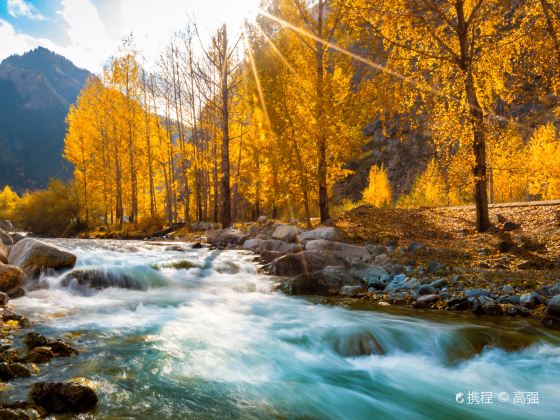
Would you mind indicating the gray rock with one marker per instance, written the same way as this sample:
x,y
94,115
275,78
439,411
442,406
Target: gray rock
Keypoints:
x,y
6,225
425,289
458,304
5,238
376,249
303,262
513,300
485,305
33,256
553,307
261,245
438,284
549,291
473,293
4,298
370,273
508,289
530,300
426,300
286,233
351,290
398,298
381,258
347,251
323,232
401,284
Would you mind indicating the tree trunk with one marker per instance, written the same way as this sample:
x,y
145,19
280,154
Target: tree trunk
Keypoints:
x,y
321,136
479,150
226,193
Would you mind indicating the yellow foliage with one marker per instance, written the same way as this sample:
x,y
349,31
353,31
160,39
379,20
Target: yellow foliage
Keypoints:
x,y
378,192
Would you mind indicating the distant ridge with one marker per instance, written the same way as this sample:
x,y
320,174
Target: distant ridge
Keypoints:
x,y
36,90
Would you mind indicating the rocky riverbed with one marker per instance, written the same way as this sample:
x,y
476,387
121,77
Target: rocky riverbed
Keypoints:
x,y
23,352
320,262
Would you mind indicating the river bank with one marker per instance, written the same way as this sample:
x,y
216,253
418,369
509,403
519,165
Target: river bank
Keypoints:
x,y
426,259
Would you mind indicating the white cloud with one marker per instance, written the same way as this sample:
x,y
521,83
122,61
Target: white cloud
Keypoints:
x,y
14,43
20,8
90,44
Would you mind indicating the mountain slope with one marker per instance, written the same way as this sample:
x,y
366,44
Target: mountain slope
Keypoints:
x,y
36,90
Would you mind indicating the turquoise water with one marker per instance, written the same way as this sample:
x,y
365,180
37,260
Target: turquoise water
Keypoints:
x,y
216,341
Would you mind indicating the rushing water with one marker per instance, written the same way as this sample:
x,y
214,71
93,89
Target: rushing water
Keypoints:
x,y
215,341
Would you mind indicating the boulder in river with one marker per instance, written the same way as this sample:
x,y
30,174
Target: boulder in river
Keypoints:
x,y
34,256
63,397
327,282
5,238
3,254
303,262
10,277
4,298
136,278
6,225
347,251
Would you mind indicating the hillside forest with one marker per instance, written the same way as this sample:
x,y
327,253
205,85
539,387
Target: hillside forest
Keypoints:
x,y
269,121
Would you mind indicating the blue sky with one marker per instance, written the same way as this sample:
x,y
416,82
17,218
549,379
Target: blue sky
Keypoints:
x,y
88,32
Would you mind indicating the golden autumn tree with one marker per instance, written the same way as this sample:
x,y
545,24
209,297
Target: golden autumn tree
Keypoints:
x,y
378,192
454,56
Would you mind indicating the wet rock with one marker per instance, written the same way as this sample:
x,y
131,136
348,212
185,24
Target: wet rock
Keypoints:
x,y
530,300
370,273
16,237
5,238
269,256
425,301
516,310
351,291
508,226
513,300
553,307
458,304
18,414
303,262
63,397
33,256
197,245
9,371
347,251
425,289
61,348
226,236
286,233
398,298
34,339
6,225
354,345
323,232
8,315
10,277
3,254
485,305
473,293
4,298
401,283
39,355
16,292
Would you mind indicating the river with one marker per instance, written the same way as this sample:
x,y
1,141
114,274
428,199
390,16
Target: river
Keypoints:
x,y
216,341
